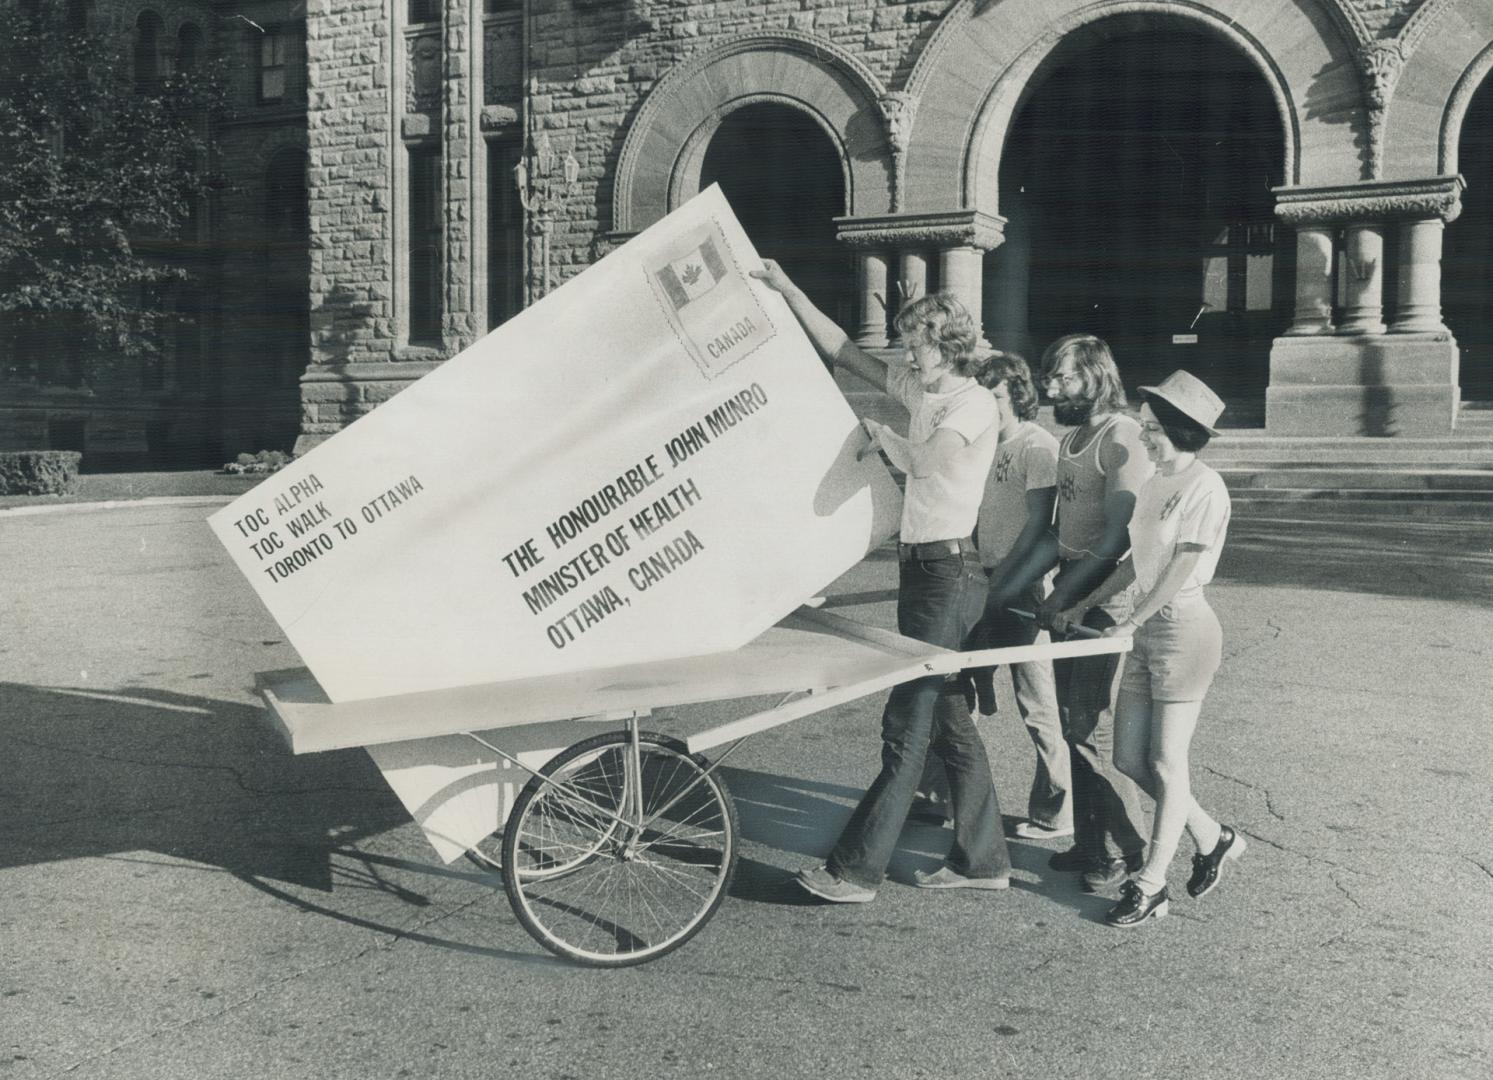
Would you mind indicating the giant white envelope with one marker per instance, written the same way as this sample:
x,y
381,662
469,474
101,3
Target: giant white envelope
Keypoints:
x,y
651,462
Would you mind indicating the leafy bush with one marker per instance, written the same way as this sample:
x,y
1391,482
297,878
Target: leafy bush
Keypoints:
x,y
264,462
38,472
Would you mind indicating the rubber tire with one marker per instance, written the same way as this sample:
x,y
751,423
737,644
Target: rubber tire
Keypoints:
x,y
514,830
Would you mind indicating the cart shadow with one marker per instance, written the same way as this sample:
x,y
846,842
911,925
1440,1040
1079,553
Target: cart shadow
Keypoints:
x,y
164,779
93,772
795,816
798,817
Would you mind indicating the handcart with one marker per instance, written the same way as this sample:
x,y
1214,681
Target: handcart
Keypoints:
x,y
620,846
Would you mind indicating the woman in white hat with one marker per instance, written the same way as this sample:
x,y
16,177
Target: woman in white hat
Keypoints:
x,y
1176,533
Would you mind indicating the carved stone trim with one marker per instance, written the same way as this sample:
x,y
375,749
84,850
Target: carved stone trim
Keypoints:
x,y
499,119
1456,109
952,228
820,50
1437,196
997,109
897,110
1420,22
1350,21
684,181
1380,65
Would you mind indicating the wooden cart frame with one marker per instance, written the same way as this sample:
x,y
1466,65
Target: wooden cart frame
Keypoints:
x,y
621,846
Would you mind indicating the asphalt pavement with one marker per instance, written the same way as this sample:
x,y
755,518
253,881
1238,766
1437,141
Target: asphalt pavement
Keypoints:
x,y
180,897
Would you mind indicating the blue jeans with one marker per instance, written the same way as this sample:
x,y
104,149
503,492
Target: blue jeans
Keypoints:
x,y
1036,700
938,601
1105,811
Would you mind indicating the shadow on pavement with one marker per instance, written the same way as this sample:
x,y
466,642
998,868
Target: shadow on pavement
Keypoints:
x,y
804,817
96,772
124,774
1425,559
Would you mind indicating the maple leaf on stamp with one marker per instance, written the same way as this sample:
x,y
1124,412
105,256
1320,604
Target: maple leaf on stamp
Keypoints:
x,y
691,274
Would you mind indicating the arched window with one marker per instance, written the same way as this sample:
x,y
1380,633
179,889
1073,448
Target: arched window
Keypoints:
x,y
188,48
147,52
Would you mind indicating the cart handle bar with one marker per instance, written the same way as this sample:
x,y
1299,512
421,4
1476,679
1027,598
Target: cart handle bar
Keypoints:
x,y
1077,631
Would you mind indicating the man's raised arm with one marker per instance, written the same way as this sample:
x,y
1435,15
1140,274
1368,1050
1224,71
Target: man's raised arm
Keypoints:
x,y
831,341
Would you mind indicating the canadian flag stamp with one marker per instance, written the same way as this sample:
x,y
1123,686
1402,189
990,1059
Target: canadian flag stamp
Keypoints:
x,y
708,301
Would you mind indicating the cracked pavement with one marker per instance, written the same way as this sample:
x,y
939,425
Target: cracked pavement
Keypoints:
x,y
181,897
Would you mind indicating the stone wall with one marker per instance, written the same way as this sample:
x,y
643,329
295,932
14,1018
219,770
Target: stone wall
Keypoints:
x,y
595,66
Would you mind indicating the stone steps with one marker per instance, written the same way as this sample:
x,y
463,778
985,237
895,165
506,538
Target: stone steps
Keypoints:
x,y
1364,507
1469,482
1338,478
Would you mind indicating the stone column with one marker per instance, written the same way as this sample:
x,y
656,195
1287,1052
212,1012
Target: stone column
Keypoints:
x,y
962,269
460,109
1313,281
1363,278
874,301
1418,310
1360,380
913,278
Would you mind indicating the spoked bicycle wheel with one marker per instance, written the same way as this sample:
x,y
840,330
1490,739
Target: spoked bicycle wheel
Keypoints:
x,y
619,859
487,853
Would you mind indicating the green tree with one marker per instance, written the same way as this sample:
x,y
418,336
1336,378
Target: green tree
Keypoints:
x,y
104,156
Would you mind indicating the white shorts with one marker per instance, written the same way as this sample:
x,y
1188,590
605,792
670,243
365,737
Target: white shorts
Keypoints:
x,y
1176,653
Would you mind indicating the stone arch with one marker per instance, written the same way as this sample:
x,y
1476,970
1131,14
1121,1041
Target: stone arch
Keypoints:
x,y
964,113
666,143
1430,69
1449,134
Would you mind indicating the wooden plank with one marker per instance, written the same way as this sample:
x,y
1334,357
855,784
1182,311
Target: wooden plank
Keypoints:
x,y
935,661
795,710
795,655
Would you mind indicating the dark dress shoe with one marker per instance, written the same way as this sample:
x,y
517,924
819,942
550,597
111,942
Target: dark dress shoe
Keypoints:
x,y
1208,869
1135,907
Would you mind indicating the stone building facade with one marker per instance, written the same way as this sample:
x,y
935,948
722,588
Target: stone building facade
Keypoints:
x,y
1293,199
1315,173
229,381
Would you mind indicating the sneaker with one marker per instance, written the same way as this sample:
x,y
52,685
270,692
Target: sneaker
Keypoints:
x,y
1107,873
1208,869
1135,907
826,886
1030,830
946,877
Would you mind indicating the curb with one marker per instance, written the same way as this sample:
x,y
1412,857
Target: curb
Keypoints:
x,y
118,504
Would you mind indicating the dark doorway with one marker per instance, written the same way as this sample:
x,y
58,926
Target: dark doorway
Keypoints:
x,y
783,178
1138,176
1467,258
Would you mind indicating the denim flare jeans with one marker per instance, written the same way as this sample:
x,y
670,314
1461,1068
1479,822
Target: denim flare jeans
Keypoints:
x,y
938,601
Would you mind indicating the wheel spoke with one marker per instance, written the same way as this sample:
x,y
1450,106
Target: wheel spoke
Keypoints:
x,y
596,890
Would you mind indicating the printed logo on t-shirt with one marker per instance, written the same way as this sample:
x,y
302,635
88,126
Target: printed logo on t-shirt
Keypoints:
x,y
938,415
1003,467
1068,487
1171,504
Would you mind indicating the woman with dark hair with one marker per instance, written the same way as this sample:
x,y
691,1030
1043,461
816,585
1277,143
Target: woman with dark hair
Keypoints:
x,y
1176,533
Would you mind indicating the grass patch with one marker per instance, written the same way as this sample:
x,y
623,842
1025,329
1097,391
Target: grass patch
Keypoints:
x,y
120,487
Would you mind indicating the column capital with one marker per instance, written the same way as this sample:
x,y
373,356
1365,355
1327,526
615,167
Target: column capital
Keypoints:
x,y
1390,200
951,228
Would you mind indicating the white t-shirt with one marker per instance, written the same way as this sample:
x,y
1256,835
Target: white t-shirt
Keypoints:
x,y
944,506
1191,507
1025,462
